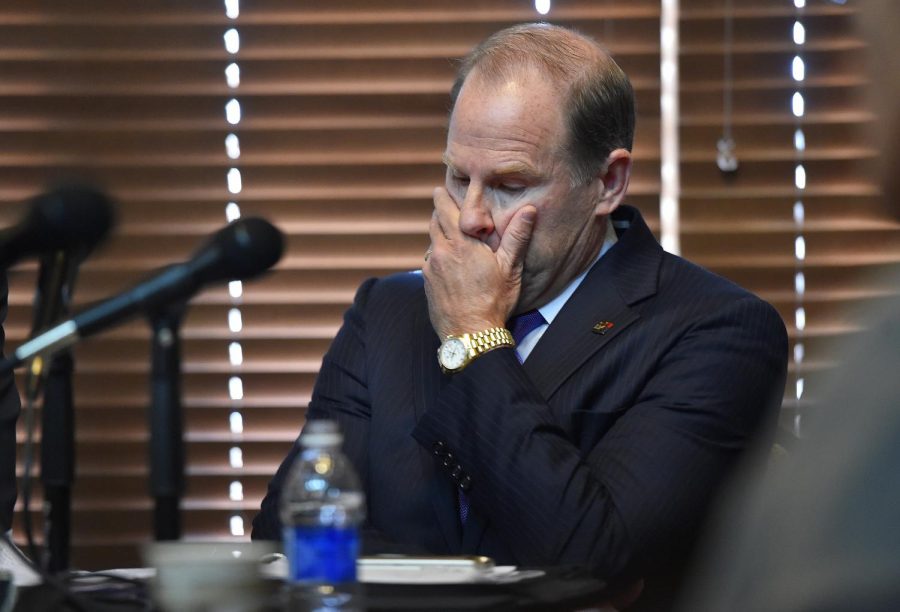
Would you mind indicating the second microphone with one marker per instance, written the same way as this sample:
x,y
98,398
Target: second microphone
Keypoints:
x,y
240,251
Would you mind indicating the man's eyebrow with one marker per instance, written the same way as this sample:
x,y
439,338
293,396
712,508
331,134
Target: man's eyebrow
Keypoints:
x,y
512,168
516,168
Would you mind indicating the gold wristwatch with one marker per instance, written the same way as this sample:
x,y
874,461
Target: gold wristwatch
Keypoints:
x,y
456,352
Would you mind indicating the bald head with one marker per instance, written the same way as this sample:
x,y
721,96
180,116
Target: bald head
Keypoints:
x,y
595,95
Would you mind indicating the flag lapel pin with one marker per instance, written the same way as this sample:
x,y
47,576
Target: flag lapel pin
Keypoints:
x,y
602,327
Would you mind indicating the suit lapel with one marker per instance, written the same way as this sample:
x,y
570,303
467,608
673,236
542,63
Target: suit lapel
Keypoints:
x,y
600,309
570,340
428,379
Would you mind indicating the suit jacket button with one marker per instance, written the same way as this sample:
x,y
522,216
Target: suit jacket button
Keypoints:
x,y
457,472
465,483
438,448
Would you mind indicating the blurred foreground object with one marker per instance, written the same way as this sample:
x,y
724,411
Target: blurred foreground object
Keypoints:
x,y
821,532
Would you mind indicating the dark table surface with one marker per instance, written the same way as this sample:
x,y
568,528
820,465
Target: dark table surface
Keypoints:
x,y
560,588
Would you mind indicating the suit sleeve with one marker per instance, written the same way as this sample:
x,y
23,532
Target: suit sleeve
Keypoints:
x,y
647,481
341,394
9,413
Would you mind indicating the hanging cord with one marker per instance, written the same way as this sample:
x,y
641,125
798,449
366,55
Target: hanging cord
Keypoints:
x,y
725,157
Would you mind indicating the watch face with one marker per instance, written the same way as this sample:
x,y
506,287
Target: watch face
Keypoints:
x,y
452,354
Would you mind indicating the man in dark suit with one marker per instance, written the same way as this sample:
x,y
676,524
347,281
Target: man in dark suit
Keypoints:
x,y
600,436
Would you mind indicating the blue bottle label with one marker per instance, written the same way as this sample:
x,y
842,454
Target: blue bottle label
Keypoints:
x,y
321,554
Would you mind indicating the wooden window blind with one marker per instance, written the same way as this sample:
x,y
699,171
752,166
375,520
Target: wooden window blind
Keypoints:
x,y
343,112
745,225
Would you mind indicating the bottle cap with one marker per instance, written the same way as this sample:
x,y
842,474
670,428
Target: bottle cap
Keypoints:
x,y
321,432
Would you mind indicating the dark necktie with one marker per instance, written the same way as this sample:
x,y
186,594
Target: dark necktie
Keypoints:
x,y
519,326
525,323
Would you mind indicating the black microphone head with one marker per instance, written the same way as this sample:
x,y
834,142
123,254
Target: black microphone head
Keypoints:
x,y
68,217
243,250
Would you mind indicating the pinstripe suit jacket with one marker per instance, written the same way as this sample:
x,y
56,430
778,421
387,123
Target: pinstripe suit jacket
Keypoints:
x,y
603,449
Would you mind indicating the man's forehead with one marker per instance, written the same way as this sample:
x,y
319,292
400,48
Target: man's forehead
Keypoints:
x,y
518,118
502,168
516,80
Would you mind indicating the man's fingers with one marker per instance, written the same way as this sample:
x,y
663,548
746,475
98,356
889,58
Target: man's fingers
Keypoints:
x,y
517,236
446,213
435,231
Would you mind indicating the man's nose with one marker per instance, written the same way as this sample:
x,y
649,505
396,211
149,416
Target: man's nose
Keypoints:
x,y
475,215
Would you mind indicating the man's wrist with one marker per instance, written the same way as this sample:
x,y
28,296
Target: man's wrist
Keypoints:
x,y
458,351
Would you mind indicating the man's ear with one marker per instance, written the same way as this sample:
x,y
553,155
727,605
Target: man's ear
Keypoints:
x,y
612,182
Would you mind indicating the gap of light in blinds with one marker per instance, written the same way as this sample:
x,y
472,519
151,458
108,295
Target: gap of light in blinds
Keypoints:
x,y
798,108
234,181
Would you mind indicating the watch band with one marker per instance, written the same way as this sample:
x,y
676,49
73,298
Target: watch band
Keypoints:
x,y
489,339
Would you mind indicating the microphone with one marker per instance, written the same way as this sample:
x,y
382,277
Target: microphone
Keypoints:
x,y
62,226
239,251
66,218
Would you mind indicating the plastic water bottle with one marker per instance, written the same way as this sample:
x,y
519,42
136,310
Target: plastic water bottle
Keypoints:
x,y
322,507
